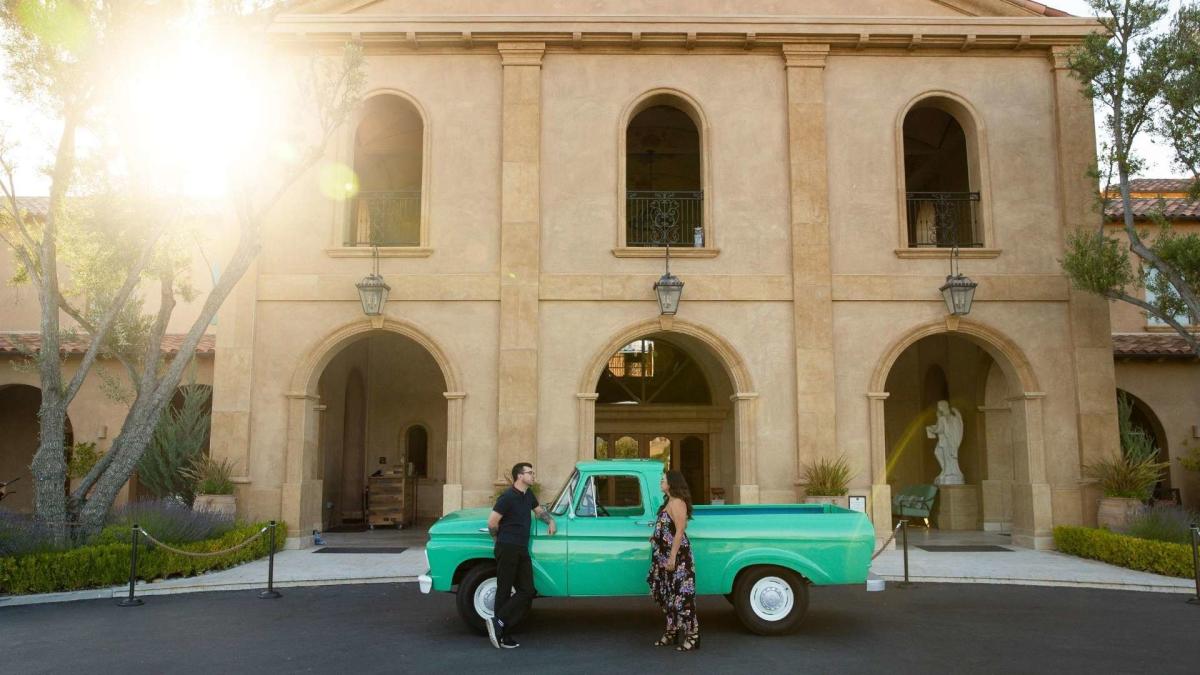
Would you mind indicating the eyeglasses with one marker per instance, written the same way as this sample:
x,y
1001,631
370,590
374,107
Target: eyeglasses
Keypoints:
x,y
530,472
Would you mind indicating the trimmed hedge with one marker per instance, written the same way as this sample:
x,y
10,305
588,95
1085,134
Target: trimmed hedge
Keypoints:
x,y
107,564
1159,557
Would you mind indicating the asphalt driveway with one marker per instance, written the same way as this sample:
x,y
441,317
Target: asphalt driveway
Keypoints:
x,y
393,628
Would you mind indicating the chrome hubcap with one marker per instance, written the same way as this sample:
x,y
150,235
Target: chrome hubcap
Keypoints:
x,y
771,598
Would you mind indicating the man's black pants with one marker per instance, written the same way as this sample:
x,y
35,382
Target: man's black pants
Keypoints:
x,y
514,569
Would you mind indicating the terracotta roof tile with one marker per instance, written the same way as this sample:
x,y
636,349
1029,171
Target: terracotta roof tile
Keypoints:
x,y
1173,209
1151,345
1159,184
15,343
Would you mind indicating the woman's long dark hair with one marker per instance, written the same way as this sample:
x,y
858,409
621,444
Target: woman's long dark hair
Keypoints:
x,y
677,487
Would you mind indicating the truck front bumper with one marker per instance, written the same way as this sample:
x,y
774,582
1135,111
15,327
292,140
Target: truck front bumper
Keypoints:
x,y
426,583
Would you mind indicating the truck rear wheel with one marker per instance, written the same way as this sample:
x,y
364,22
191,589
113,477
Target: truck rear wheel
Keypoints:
x,y
770,600
477,597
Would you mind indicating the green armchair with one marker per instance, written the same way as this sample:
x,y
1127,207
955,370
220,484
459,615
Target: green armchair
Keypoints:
x,y
914,501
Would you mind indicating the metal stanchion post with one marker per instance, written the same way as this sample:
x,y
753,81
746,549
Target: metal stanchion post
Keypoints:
x,y
904,542
271,592
1196,562
133,542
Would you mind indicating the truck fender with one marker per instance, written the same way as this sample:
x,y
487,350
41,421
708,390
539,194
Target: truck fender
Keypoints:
x,y
542,580
771,556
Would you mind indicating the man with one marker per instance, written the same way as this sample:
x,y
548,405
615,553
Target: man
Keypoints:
x,y
509,525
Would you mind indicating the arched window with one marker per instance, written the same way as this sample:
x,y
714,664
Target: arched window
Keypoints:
x,y
389,162
418,450
664,175
941,176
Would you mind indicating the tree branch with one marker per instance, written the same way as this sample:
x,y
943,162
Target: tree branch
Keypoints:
x,y
100,334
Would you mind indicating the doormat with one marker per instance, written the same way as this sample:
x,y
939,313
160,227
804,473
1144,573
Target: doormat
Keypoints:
x,y
980,548
362,549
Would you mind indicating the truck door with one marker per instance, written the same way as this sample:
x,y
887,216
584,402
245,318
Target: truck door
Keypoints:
x,y
608,551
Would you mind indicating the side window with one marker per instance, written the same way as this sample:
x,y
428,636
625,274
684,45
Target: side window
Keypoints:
x,y
611,496
1156,284
563,503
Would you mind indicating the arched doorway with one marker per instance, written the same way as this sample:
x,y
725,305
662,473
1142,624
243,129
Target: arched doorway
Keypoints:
x,y
672,396
1143,420
987,382
20,432
376,389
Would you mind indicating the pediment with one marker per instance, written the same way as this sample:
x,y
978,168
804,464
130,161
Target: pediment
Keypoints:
x,y
677,8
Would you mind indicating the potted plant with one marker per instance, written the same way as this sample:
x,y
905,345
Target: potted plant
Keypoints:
x,y
826,480
214,485
1128,480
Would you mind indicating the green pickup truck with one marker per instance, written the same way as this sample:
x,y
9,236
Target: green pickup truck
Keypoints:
x,y
761,557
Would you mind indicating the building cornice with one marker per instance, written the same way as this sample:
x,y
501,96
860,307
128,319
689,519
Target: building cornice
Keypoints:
x,y
641,32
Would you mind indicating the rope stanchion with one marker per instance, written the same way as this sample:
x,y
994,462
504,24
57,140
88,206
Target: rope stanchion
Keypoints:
x,y
136,532
133,542
1196,562
270,593
204,554
890,538
904,542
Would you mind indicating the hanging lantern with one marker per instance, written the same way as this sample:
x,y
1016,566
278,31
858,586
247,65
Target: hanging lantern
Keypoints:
x,y
373,290
959,294
669,288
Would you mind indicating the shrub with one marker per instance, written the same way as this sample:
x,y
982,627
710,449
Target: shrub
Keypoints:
x,y
1164,523
827,476
20,534
168,520
1158,557
107,564
177,442
1135,472
211,477
83,457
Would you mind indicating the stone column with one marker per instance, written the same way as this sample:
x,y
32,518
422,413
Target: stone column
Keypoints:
x,y
746,467
233,378
996,489
452,490
880,507
300,499
520,223
812,297
1091,331
1032,515
586,410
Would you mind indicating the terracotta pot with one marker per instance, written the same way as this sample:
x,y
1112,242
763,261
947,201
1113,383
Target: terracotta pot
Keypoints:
x,y
225,505
1115,513
842,501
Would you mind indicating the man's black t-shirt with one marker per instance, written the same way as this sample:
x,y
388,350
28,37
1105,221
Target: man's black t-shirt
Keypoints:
x,y
514,507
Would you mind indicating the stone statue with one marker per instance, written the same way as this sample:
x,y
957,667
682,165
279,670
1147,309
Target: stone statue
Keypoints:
x,y
949,433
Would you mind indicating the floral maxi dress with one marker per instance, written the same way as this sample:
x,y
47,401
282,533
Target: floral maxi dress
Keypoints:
x,y
675,592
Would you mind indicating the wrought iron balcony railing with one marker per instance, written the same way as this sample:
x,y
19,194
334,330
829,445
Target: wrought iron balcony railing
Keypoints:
x,y
944,220
386,218
652,214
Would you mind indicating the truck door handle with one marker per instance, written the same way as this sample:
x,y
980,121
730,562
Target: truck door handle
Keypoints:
x,y
644,522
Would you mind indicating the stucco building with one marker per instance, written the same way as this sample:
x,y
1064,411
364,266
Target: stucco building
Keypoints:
x,y
517,166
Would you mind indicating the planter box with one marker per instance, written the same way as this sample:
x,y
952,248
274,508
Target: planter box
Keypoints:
x,y
842,501
225,505
1115,513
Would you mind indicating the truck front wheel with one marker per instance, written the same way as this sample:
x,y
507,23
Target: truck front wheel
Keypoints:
x,y
477,597
770,600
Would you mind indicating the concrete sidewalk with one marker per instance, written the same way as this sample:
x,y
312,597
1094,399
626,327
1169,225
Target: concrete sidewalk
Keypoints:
x,y
306,567
1015,565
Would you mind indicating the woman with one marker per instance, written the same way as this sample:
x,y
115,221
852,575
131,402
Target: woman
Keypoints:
x,y
672,575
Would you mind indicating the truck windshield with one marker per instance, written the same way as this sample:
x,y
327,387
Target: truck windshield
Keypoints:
x,y
563,502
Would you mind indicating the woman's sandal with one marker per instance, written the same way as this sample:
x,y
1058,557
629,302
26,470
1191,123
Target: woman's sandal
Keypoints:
x,y
668,638
689,643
